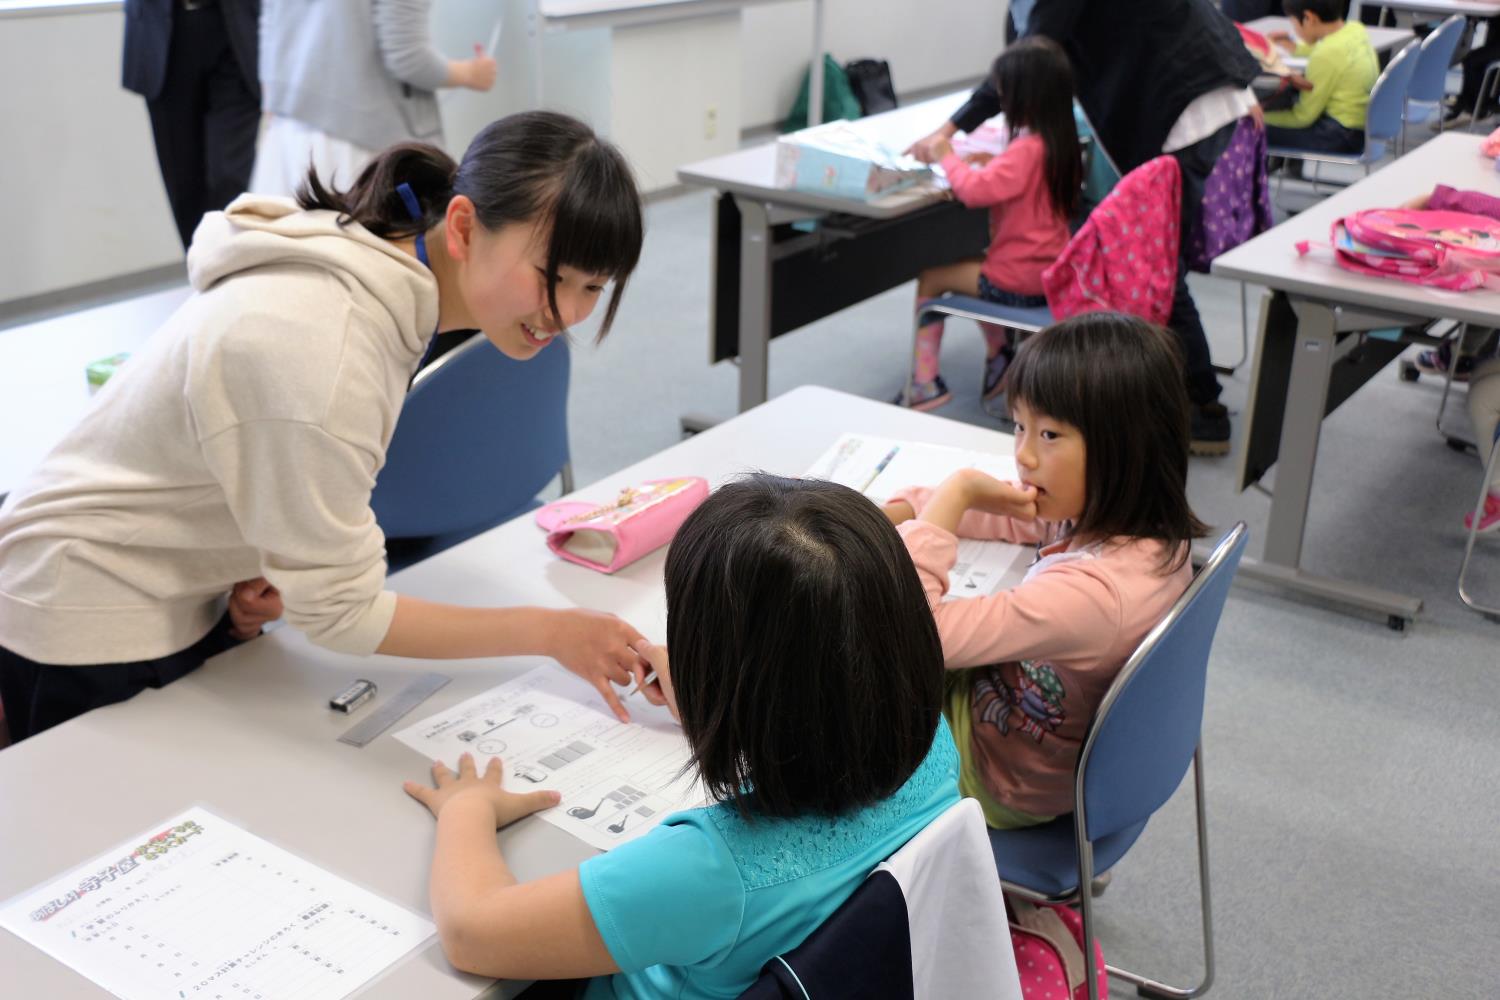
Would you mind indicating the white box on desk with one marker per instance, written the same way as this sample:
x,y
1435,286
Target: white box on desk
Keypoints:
x,y
836,158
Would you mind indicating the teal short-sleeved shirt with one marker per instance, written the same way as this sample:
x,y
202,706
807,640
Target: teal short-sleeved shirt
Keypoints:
x,y
697,906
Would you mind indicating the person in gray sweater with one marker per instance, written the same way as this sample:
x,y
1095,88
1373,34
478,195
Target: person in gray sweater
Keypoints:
x,y
345,78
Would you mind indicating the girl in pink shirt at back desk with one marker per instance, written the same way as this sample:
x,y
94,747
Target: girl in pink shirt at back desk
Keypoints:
x,y
1101,444
1031,190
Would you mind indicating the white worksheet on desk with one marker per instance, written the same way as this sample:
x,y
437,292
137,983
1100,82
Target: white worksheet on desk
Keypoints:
x,y
551,730
197,908
879,467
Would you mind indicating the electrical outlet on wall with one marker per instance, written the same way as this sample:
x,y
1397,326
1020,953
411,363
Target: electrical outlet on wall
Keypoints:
x,y
710,122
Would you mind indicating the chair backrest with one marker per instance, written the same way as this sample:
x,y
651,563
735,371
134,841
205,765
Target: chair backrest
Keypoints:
x,y
1433,59
1143,736
1386,115
479,436
925,923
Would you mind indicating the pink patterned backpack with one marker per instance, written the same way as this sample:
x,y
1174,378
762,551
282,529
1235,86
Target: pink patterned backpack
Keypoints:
x,y
1048,942
1455,251
1124,259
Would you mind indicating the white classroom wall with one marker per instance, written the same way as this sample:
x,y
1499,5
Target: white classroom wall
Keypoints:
x,y
79,170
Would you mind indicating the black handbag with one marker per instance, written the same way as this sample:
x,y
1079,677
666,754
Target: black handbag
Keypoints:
x,y
870,79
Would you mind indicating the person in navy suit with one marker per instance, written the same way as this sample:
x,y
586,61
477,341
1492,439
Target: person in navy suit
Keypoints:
x,y
194,61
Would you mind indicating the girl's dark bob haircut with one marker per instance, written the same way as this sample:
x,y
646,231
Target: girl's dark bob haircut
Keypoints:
x,y
533,167
806,663
1118,379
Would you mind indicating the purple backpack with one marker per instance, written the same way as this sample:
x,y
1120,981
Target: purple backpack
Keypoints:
x,y
1236,198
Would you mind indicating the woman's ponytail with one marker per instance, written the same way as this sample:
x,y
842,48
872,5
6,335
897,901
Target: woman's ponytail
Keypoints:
x,y
373,201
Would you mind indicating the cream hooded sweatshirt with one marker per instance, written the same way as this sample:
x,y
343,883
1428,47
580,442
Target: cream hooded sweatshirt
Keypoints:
x,y
243,440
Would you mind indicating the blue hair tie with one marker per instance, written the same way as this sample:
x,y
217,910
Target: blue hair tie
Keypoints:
x,y
414,209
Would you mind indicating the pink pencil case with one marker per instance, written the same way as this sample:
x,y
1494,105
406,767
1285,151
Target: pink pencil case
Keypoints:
x,y
609,537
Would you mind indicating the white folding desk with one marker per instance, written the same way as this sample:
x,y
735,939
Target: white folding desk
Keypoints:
x,y
1385,41
1311,354
250,737
749,176
1442,8
43,387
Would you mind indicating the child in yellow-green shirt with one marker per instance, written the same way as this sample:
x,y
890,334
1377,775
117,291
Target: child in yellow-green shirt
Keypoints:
x,y
1329,115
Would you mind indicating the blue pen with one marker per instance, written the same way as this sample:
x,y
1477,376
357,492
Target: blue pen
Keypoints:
x,y
880,468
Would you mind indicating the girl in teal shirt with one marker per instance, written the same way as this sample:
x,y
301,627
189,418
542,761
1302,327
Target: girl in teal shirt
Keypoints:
x,y
807,674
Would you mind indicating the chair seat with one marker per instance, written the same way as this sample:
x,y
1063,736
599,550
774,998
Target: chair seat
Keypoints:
x,y
1043,859
967,306
1293,153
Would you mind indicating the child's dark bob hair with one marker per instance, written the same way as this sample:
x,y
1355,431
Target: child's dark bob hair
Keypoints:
x,y
1118,379
806,663
537,166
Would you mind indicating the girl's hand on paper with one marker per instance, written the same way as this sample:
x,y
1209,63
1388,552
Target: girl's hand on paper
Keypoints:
x,y
599,648
469,783
252,603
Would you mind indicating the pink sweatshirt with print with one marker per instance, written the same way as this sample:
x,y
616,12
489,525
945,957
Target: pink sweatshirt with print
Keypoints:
x,y
1047,650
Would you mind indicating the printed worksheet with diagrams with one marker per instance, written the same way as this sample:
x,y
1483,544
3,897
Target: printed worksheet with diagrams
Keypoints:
x,y
552,731
879,467
199,909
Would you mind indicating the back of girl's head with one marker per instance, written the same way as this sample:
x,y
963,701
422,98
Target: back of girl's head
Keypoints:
x,y
1035,82
1118,379
537,167
806,664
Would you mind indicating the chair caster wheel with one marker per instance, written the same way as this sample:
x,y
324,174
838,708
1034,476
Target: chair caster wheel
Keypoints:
x,y
1395,623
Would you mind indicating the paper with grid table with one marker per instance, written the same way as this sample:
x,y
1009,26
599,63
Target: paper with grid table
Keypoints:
x,y
551,730
197,908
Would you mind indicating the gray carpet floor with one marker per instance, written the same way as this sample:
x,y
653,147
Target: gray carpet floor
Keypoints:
x,y
1350,768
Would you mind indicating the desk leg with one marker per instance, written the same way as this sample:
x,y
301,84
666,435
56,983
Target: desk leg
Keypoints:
x,y
1306,403
755,301
1306,399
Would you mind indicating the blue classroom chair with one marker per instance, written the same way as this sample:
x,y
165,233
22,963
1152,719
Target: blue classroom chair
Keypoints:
x,y
479,437
1424,95
1137,750
1022,320
1384,120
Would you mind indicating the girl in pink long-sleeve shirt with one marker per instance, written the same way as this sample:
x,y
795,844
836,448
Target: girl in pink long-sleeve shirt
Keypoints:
x,y
1101,443
1031,190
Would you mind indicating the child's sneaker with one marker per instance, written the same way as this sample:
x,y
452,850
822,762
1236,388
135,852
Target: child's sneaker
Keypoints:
x,y
1436,363
1490,519
994,373
924,396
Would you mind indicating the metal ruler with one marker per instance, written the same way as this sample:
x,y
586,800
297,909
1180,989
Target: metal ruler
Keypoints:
x,y
392,709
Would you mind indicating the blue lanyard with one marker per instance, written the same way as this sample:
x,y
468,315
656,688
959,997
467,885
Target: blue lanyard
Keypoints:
x,y
414,209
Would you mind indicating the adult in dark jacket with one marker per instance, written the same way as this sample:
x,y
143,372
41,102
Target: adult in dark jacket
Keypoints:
x,y
1138,67
194,61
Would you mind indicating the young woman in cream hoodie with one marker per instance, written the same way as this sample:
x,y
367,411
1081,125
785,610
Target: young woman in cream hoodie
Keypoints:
x,y
234,456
